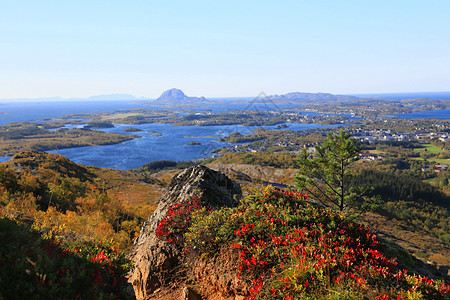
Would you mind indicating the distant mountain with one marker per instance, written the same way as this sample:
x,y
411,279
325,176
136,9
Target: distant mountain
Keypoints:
x,y
311,97
176,97
172,95
111,97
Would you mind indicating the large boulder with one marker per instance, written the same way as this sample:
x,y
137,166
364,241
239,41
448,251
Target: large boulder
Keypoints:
x,y
156,261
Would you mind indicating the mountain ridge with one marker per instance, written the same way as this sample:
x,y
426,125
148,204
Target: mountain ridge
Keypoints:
x,y
312,97
105,97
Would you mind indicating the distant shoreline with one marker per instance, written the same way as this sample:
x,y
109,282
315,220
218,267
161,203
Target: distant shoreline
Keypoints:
x,y
412,95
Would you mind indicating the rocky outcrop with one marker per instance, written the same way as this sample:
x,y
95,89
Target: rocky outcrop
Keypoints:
x,y
176,97
157,261
172,95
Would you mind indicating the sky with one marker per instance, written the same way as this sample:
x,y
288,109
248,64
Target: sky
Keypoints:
x,y
222,48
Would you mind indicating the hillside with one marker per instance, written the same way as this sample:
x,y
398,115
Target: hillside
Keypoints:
x,y
58,217
273,244
415,223
68,200
65,228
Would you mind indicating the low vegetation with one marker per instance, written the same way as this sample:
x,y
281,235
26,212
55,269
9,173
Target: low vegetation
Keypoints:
x,y
290,248
69,201
65,229
33,267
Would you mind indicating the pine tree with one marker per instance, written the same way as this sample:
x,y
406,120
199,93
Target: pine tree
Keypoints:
x,y
325,174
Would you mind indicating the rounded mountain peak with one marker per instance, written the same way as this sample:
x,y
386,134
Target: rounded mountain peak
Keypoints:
x,y
173,94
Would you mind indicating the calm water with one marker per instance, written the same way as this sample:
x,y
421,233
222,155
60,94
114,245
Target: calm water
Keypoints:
x,y
429,95
170,142
443,114
34,111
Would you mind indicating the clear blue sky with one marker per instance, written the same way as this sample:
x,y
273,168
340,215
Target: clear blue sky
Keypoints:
x,y
222,48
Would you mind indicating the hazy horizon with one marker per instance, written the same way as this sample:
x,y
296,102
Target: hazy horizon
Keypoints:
x,y
222,49
125,97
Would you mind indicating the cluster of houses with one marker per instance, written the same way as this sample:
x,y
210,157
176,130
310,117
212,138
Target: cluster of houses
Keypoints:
x,y
247,148
369,156
365,135
437,168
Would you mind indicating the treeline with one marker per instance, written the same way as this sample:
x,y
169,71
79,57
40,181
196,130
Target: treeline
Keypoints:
x,y
408,198
393,186
402,144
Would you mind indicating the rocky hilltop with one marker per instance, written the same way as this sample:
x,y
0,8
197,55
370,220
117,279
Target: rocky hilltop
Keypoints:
x,y
176,97
172,94
156,260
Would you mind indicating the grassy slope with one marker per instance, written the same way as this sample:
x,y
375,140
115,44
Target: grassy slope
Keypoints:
x,y
429,148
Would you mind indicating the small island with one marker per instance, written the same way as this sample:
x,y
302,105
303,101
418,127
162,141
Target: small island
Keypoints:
x,y
132,129
99,124
282,126
238,138
194,143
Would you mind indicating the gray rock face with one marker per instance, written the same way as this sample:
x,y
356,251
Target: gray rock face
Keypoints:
x,y
172,94
156,260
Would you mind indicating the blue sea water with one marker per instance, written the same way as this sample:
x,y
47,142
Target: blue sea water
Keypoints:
x,y
429,95
170,142
17,111
443,114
